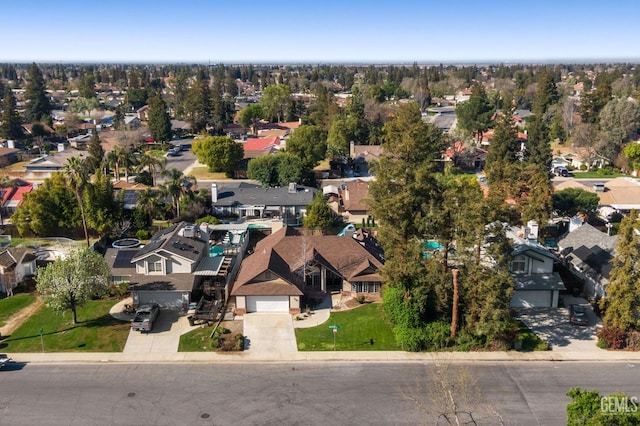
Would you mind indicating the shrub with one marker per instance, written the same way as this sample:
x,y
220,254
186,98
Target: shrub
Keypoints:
x,y
239,342
437,335
614,338
360,299
143,234
583,167
633,340
118,290
602,344
222,330
542,346
211,220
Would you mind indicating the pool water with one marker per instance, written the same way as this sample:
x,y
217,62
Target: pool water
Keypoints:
x,y
216,251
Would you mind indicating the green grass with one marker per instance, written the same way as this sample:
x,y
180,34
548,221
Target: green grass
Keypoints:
x,y
530,341
97,331
196,340
362,329
13,304
593,174
203,173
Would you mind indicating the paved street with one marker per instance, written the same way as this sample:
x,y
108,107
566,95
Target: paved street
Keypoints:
x,y
531,393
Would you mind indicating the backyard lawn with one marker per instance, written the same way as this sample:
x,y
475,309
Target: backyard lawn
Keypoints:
x,y
203,173
361,329
97,331
13,304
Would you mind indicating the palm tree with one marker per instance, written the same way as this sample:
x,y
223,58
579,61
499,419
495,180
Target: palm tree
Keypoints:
x,y
111,160
127,160
153,164
148,201
176,186
76,172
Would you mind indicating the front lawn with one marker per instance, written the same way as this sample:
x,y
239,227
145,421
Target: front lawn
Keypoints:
x,y
530,341
203,173
596,174
11,305
361,329
97,331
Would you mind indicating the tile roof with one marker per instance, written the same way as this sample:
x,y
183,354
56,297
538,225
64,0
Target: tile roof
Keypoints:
x,y
259,144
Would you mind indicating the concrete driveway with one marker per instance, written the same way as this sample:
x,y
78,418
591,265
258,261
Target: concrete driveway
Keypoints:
x,y
269,335
164,337
552,325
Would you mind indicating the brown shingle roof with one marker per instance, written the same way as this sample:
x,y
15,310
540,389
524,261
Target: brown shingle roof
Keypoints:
x,y
354,194
268,288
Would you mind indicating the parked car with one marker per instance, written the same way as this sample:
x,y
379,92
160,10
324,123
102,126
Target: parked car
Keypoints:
x,y
578,315
173,152
145,317
4,360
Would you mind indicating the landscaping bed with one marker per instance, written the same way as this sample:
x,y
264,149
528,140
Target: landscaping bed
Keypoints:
x,y
228,338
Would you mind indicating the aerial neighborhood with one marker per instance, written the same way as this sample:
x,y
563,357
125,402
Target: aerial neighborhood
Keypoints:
x,y
460,208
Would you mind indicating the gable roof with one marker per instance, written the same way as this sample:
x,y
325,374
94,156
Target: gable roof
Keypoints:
x,y
259,144
354,194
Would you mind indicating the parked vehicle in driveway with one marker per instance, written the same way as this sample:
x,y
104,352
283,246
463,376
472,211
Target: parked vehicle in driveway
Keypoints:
x,y
146,315
4,360
578,315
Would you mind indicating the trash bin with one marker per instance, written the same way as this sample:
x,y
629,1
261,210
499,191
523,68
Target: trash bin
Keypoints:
x,y
191,320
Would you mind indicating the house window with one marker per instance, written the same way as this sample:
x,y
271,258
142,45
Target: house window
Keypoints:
x,y
365,287
155,266
519,265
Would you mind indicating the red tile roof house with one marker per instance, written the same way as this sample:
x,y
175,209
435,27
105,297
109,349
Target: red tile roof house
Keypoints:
x,y
289,266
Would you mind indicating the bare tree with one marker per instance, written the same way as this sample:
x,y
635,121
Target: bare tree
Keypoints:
x,y
450,395
586,137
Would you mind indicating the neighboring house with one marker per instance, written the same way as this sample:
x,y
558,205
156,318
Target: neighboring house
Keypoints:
x,y
253,201
131,121
43,167
143,113
12,196
444,118
588,254
8,156
128,193
536,284
176,267
288,266
16,264
257,147
348,200
465,157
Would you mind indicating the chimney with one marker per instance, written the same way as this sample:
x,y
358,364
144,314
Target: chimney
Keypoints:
x,y
60,147
293,187
214,193
11,144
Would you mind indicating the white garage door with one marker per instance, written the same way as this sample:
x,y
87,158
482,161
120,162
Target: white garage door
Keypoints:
x,y
267,303
166,299
531,299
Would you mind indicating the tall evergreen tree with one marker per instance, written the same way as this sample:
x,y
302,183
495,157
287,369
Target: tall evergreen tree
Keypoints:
x,y
502,158
546,94
159,121
10,128
38,105
199,105
538,148
622,302
474,115
96,152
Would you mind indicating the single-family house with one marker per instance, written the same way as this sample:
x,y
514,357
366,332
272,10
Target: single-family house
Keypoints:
x,y
252,201
16,264
42,167
348,200
8,156
537,285
588,253
289,266
12,196
176,267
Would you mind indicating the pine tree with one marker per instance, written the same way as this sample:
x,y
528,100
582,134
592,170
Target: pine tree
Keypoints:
x,y
546,95
38,106
538,146
96,153
159,121
474,115
198,107
502,159
10,127
622,301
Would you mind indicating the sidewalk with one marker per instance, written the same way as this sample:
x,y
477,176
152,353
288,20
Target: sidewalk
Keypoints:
x,y
314,357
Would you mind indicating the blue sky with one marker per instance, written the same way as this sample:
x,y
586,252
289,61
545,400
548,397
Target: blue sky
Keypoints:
x,y
324,31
